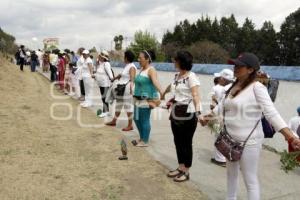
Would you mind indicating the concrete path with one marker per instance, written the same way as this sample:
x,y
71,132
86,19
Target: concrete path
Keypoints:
x,y
211,179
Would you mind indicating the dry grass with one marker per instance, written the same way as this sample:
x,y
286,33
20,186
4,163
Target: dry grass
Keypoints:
x,y
42,158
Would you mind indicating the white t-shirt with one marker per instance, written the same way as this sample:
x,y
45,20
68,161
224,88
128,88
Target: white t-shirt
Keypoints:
x,y
53,59
294,123
182,90
86,73
218,92
104,74
125,75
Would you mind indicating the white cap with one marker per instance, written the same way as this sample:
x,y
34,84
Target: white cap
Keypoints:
x,y
225,73
86,51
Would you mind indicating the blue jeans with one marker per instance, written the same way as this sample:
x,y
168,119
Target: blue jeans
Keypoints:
x,y
33,65
142,120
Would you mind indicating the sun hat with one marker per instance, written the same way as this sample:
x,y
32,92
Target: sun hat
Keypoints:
x,y
226,74
86,51
104,54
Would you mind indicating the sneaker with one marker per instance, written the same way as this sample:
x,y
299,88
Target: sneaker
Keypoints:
x,y
214,161
85,105
102,115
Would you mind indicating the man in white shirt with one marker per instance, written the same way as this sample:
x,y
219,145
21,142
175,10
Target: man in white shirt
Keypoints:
x,y
225,79
294,124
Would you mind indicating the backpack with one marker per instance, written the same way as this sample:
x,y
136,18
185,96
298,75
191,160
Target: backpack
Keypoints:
x,y
272,86
298,130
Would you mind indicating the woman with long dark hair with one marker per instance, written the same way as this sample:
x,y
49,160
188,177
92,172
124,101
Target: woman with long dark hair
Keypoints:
x,y
245,103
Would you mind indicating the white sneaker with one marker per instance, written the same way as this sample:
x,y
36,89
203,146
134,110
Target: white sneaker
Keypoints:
x,y
86,105
71,94
102,115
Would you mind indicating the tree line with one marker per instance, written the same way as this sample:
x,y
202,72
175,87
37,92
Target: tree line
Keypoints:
x,y
213,41
7,43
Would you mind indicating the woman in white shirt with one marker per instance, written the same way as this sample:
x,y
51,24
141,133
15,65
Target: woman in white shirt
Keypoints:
x,y
184,114
126,100
104,77
244,104
87,72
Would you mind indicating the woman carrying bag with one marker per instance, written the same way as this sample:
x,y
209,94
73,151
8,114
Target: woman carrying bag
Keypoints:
x,y
124,91
242,108
185,110
104,77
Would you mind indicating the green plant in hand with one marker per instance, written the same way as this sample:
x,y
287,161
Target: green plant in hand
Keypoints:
x,y
289,160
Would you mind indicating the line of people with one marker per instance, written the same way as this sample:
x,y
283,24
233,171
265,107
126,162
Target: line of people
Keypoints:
x,y
238,99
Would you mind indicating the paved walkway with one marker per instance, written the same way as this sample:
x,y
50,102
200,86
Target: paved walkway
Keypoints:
x,y
211,179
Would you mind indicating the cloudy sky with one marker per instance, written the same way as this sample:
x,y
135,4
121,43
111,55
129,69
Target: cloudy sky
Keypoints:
x,y
91,23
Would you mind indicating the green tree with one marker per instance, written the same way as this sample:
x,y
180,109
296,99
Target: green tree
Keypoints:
x,y
118,42
246,39
146,41
7,43
93,50
289,37
267,48
215,32
228,34
208,52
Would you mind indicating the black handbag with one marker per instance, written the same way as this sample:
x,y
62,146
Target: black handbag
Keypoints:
x,y
179,113
120,89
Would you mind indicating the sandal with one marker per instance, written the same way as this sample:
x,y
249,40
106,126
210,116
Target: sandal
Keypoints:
x,y
182,177
129,128
111,124
172,175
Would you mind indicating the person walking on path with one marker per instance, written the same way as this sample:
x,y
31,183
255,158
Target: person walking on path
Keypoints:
x,y
243,106
146,96
22,57
125,82
185,110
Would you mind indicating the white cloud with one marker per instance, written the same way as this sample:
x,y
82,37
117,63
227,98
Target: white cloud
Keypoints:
x,y
94,23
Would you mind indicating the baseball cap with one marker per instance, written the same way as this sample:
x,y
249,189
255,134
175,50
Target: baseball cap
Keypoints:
x,y
225,73
246,59
298,109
